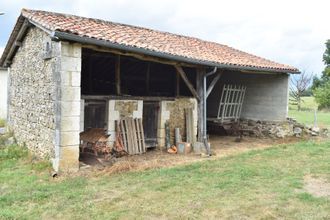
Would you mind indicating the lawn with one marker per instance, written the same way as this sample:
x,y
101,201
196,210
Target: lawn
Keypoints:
x,y
306,115
260,184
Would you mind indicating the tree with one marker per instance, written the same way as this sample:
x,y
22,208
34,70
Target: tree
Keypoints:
x,y
298,86
321,86
322,96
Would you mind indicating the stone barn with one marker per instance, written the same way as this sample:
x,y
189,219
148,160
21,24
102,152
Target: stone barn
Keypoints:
x,y
70,73
3,92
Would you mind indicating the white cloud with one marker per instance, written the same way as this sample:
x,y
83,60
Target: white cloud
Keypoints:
x,y
291,32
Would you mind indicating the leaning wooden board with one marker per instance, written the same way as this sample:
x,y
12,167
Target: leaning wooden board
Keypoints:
x,y
133,136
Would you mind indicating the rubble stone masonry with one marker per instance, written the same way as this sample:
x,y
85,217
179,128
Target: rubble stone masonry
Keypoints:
x,y
45,99
32,95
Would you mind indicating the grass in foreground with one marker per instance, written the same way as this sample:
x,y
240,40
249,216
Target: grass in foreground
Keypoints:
x,y
262,184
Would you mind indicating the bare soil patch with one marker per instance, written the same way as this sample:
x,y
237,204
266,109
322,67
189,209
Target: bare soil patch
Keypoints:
x,y
317,186
222,146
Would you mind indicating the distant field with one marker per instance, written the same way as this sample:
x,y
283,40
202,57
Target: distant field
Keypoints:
x,y
306,115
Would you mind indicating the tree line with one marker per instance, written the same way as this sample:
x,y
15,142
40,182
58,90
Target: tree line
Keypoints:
x,y
306,85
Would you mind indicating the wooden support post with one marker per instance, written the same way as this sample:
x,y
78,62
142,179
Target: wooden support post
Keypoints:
x,y
188,83
214,81
90,75
117,75
148,78
177,90
200,91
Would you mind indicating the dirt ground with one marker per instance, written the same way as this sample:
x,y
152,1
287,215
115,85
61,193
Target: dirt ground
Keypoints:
x,y
317,186
222,146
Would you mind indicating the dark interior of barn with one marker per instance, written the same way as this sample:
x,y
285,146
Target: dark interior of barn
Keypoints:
x,y
137,77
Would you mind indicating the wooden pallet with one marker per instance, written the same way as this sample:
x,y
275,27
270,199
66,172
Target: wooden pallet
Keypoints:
x,y
132,134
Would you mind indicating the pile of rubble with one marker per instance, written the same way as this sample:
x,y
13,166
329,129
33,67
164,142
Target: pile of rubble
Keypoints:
x,y
288,128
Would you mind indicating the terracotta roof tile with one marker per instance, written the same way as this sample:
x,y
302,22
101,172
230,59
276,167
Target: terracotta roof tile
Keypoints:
x,y
147,39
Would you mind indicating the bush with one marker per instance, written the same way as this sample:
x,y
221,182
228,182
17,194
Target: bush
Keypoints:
x,y
322,95
13,152
2,122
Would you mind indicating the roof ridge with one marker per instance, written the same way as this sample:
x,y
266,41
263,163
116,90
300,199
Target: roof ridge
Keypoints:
x,y
148,39
122,24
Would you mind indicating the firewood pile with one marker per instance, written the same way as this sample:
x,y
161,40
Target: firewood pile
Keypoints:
x,y
95,139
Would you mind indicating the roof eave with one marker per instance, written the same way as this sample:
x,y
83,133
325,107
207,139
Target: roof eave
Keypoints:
x,y
14,41
103,43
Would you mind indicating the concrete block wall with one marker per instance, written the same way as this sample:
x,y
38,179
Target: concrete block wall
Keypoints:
x,y
70,108
266,96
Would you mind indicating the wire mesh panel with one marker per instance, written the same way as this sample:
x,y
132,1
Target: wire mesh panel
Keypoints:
x,y
230,106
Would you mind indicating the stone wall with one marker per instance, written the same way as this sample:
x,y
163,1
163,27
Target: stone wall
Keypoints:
x,y
287,128
118,109
32,94
173,112
3,93
266,97
68,108
44,99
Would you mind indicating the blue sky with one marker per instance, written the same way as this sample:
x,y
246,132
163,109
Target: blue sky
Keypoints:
x,y
291,32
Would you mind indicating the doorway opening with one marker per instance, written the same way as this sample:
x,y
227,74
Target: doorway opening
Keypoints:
x,y
150,123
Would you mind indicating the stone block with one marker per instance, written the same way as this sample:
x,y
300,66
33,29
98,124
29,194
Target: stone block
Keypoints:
x,y
112,135
71,64
75,78
113,114
71,93
161,132
69,138
71,50
82,114
111,125
70,78
139,112
161,142
65,78
71,123
69,159
70,108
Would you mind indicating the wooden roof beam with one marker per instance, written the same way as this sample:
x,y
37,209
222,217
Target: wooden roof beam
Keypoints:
x,y
212,84
186,80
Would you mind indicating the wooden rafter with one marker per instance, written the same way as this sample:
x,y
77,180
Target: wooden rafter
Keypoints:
x,y
214,81
117,75
140,56
187,82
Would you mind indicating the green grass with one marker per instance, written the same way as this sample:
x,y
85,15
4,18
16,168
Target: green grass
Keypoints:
x,y
2,123
262,184
306,115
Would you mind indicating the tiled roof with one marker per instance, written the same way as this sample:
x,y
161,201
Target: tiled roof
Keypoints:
x,y
191,48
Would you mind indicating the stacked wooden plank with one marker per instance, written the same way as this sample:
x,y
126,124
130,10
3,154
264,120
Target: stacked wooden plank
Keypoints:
x,y
189,125
132,134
